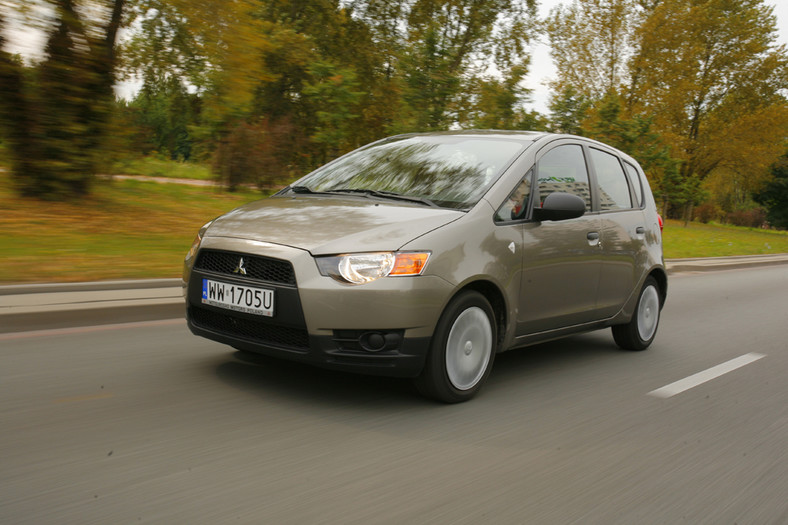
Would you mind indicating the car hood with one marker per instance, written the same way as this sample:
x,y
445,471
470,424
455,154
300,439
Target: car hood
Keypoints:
x,y
328,225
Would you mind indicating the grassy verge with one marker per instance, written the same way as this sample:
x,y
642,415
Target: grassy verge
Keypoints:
x,y
125,230
155,167
714,240
131,229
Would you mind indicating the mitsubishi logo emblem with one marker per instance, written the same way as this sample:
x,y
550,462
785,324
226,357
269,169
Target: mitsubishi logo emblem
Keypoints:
x,y
240,268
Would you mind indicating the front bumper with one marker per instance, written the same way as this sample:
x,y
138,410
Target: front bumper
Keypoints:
x,y
380,328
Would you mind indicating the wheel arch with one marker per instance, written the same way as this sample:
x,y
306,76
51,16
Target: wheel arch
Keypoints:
x,y
662,281
495,296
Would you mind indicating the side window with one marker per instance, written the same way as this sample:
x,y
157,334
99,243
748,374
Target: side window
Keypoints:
x,y
516,205
612,182
564,169
636,183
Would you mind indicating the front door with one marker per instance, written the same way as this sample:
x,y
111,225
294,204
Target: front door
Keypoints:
x,y
561,259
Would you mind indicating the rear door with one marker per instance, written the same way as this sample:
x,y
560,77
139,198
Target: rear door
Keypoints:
x,y
622,231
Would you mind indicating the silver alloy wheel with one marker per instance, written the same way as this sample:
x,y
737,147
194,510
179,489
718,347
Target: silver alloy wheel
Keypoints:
x,y
648,313
468,348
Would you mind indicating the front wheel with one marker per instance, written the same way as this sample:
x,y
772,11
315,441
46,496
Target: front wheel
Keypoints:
x,y
462,350
642,328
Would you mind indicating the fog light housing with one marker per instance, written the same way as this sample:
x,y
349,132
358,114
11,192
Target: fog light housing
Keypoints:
x,y
372,342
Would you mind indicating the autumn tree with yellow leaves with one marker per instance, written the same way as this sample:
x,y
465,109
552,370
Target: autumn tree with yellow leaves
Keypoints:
x,y
708,74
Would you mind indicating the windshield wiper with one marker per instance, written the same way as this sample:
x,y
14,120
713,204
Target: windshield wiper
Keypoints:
x,y
304,190
386,195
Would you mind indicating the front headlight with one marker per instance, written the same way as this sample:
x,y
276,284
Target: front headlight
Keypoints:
x,y
365,267
360,268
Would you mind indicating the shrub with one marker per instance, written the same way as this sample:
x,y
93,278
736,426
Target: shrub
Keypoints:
x,y
256,153
708,211
753,218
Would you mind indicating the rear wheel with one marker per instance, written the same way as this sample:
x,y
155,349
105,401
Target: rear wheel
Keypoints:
x,y
462,350
642,328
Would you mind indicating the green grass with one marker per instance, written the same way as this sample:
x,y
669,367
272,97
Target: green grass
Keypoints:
x,y
124,230
714,240
156,167
132,229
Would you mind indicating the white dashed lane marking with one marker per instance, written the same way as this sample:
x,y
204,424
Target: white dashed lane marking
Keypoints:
x,y
707,375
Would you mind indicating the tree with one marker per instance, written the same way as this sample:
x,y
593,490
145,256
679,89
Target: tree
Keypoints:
x,y
334,93
214,47
635,136
447,38
268,65
496,103
591,42
16,113
706,76
775,194
431,79
713,77
568,109
341,73
164,113
61,106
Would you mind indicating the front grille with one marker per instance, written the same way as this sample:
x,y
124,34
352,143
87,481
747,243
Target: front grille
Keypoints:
x,y
250,329
259,268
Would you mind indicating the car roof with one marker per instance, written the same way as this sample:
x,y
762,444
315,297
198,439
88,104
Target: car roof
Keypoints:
x,y
525,136
529,137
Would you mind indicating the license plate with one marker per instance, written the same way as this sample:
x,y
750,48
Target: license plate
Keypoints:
x,y
246,299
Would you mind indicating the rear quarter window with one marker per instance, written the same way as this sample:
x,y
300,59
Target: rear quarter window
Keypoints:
x,y
637,183
611,181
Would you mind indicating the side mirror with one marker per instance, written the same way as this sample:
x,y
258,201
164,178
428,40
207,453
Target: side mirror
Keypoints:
x,y
559,206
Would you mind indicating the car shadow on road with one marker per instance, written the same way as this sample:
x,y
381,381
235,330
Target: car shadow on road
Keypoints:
x,y
298,383
569,353
301,382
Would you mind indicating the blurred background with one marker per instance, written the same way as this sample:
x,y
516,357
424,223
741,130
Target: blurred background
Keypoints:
x,y
249,95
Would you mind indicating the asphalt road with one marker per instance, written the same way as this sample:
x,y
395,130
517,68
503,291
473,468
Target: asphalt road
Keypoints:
x,y
145,423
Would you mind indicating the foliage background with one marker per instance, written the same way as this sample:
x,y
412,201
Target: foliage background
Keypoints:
x,y
261,91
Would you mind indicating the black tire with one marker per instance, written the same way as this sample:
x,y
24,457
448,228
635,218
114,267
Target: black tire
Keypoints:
x,y
462,350
640,331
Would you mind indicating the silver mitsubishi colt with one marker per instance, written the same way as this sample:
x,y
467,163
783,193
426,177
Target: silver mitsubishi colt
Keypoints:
x,y
424,255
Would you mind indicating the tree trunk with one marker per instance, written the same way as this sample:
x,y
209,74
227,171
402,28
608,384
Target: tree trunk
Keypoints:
x,y
56,119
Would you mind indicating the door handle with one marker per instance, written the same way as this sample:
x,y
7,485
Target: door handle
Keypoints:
x,y
593,236
640,230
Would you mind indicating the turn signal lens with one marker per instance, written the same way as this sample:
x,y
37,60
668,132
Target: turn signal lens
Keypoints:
x,y
409,263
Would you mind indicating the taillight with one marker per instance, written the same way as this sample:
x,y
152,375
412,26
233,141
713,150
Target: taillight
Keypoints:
x,y
661,222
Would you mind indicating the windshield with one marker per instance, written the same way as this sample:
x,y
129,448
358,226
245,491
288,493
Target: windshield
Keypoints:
x,y
452,171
